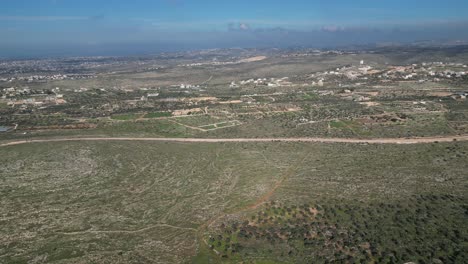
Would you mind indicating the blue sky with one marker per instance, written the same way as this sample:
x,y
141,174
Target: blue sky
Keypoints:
x,y
38,25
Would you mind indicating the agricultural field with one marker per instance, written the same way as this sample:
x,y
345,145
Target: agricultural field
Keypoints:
x,y
157,115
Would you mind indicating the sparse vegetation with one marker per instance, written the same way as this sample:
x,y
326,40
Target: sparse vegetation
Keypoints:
x,y
81,201
419,229
147,201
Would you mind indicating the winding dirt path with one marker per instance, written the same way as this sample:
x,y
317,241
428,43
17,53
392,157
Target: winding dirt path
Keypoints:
x,y
258,202
125,231
278,184
251,140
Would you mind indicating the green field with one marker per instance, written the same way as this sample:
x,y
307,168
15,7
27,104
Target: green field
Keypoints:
x,y
140,202
125,117
158,115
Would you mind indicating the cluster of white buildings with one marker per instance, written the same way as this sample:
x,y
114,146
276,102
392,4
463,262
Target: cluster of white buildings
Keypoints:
x,y
13,91
271,82
54,77
453,64
188,86
16,97
37,101
436,71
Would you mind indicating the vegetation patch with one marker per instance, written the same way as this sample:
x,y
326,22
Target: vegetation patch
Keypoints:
x,y
158,114
422,229
125,117
197,121
339,124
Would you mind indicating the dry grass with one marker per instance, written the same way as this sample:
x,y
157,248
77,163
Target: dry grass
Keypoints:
x,y
146,202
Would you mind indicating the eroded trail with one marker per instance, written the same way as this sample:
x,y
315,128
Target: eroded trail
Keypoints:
x,y
251,140
278,184
258,202
125,231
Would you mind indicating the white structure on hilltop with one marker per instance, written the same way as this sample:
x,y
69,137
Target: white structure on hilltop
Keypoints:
x,y
233,85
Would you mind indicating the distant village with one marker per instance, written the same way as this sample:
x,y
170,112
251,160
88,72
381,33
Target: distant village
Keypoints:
x,y
54,77
25,97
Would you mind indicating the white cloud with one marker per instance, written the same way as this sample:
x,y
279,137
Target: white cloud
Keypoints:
x,y
244,26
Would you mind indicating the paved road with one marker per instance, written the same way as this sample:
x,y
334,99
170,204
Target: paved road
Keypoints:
x,y
252,140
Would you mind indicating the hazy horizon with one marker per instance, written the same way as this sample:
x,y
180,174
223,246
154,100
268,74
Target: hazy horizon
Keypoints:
x,y
62,28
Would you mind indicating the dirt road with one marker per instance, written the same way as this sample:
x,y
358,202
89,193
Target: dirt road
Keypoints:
x,y
251,140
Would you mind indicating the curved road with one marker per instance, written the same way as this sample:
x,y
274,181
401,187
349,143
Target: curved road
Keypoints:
x,y
252,140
